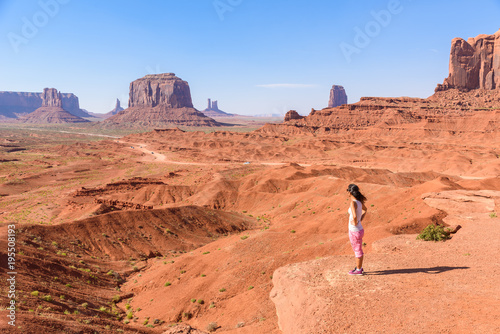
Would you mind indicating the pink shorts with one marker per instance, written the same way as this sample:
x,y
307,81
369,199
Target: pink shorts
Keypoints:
x,y
356,238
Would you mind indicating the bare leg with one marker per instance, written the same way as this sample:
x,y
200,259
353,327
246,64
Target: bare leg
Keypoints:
x,y
359,262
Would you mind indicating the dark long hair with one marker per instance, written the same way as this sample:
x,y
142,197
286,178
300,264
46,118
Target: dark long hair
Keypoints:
x,y
354,190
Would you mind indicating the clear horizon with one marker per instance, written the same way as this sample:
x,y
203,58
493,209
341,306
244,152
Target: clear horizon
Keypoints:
x,y
253,57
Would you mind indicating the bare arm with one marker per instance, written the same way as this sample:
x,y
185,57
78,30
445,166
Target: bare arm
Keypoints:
x,y
354,213
364,209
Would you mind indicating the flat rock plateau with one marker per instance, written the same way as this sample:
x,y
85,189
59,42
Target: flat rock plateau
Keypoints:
x,y
174,231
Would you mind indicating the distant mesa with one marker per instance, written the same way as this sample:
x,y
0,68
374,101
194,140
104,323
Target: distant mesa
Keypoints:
x,y
213,110
17,104
474,64
51,110
159,100
270,115
338,96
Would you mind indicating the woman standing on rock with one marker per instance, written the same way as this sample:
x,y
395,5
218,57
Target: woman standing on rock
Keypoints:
x,y
357,211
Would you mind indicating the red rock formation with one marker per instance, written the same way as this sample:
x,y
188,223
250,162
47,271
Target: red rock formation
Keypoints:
x,y
17,104
159,100
292,114
160,89
338,97
51,98
115,110
474,64
51,110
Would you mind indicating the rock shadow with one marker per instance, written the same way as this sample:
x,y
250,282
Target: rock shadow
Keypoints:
x,y
432,270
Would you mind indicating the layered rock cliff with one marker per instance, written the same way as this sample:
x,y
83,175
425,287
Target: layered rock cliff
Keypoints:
x,y
51,110
474,64
338,96
159,100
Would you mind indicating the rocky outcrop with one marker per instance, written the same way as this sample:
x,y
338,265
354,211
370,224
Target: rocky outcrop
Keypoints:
x,y
159,100
338,96
292,114
51,110
15,104
474,64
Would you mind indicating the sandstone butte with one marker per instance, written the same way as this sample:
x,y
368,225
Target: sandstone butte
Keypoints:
x,y
338,96
17,104
159,100
51,110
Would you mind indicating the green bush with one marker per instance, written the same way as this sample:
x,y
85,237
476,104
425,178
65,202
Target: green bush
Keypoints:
x,y
35,293
433,233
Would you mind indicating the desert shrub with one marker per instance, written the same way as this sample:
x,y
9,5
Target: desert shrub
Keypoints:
x,y
47,298
116,298
130,315
493,215
187,315
34,293
84,305
201,301
193,300
222,290
212,327
168,284
433,233
244,237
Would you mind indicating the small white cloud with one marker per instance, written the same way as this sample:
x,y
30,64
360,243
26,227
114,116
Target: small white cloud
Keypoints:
x,y
434,50
286,85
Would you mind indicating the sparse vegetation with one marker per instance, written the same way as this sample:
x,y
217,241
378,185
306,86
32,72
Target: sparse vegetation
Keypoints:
x,y
212,327
35,293
168,284
493,215
244,237
222,290
433,233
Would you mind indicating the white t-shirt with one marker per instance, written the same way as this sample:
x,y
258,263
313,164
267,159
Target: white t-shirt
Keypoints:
x,y
359,212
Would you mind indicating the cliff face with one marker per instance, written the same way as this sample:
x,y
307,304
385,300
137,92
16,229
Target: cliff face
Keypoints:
x,y
338,96
474,64
159,100
15,104
160,89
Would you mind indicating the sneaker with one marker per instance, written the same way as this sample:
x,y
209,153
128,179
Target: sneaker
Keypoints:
x,y
356,271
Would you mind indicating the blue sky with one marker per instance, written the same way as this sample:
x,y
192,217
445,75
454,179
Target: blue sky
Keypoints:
x,y
253,56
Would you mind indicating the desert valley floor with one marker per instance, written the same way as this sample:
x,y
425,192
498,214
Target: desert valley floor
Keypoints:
x,y
173,231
